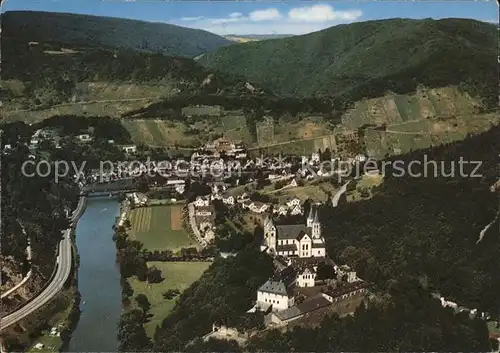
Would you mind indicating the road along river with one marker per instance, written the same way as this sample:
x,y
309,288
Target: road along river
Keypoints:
x,y
98,279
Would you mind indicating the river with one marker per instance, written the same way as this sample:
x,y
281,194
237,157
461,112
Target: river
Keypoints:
x,y
98,279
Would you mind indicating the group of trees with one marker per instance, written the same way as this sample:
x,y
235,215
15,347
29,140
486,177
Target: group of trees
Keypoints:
x,y
132,258
184,254
35,202
224,293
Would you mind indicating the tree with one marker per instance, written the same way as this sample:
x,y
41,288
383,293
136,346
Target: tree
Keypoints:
x,y
325,271
143,302
131,333
154,275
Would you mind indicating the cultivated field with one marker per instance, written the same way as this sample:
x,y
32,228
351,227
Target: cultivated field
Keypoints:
x,y
177,275
156,132
413,135
425,104
159,228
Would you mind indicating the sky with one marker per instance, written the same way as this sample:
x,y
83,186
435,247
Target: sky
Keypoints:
x,y
263,17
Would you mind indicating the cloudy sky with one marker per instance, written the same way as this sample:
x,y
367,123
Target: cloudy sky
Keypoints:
x,y
263,17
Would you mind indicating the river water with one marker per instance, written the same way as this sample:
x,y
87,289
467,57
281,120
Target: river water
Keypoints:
x,y
98,279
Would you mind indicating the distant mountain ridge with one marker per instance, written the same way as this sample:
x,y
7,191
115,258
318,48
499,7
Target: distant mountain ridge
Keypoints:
x,y
110,32
368,59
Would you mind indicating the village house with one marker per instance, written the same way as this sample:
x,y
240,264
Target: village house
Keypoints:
x,y
277,293
176,182
306,277
84,138
284,317
242,198
293,202
296,210
315,158
282,210
358,288
296,239
203,212
347,272
180,189
258,207
293,183
201,202
129,149
229,200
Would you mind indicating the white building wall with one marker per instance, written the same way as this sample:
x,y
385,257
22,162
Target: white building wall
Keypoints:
x,y
305,247
305,280
279,302
319,252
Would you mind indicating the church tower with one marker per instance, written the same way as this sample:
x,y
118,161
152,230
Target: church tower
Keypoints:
x,y
270,234
310,218
316,227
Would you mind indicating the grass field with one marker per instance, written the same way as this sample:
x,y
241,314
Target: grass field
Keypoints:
x,y
177,275
367,182
159,228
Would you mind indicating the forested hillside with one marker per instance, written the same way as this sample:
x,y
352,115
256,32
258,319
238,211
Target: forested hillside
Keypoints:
x,y
367,59
50,75
37,205
73,29
428,228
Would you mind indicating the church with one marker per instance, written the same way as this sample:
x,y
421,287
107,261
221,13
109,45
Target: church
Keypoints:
x,y
296,240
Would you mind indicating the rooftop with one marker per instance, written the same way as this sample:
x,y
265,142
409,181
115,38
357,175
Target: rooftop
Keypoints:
x,y
291,231
286,247
307,306
337,292
275,287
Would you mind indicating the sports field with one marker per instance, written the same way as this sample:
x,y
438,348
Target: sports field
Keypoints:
x,y
160,228
177,275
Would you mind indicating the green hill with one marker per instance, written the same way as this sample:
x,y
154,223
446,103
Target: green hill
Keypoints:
x,y
109,32
367,59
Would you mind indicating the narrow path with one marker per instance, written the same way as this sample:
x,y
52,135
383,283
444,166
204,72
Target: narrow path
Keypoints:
x,y
290,141
485,229
336,198
407,132
84,102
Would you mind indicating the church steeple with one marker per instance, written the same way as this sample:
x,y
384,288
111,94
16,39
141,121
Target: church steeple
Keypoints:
x,y
310,218
316,226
